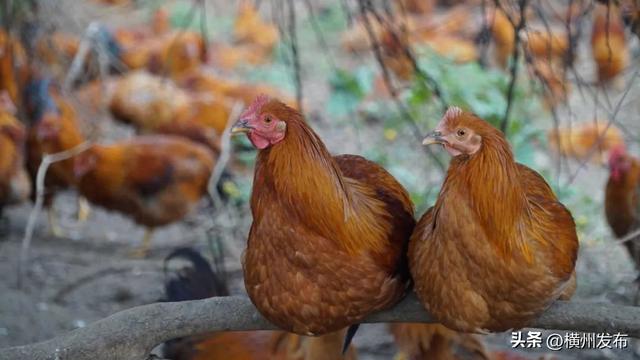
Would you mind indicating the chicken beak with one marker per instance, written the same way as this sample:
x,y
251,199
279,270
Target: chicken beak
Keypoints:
x,y
434,137
241,126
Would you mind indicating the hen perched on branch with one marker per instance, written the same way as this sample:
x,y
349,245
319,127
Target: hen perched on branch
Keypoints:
x,y
328,241
508,245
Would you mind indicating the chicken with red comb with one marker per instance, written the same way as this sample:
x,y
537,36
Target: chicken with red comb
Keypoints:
x,y
497,248
328,241
622,198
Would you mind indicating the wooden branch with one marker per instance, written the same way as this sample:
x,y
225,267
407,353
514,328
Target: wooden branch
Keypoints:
x,y
47,160
133,333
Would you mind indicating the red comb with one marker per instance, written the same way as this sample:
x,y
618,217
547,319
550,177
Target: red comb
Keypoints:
x,y
255,106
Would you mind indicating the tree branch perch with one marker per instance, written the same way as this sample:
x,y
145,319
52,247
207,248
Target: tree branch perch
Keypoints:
x,y
131,334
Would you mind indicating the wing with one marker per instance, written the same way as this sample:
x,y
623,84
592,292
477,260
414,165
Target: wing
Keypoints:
x,y
150,173
398,205
552,223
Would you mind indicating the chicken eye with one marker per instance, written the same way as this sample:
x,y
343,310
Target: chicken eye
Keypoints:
x,y
461,132
268,119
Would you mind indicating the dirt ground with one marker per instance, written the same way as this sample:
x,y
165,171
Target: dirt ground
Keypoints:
x,y
88,274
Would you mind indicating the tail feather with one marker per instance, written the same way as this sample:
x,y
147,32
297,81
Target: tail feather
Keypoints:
x,y
192,282
192,279
38,99
351,332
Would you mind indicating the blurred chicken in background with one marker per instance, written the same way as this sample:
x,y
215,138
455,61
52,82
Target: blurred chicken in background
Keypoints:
x,y
14,69
57,51
197,280
54,128
15,184
254,40
250,29
590,140
608,42
156,179
622,200
156,105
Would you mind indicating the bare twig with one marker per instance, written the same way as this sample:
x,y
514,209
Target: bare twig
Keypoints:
x,y
387,80
295,56
47,160
629,237
88,278
514,60
77,65
322,42
601,136
131,334
225,154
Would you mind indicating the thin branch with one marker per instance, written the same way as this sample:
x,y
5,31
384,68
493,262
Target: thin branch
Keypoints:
x,y
629,237
322,42
131,334
225,154
47,160
375,44
515,59
295,56
601,136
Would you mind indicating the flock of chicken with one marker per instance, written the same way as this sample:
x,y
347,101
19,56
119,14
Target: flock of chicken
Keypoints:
x,y
169,96
333,238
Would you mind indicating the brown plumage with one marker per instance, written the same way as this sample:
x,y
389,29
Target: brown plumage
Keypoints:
x,y
498,247
588,140
155,179
198,281
15,185
329,234
608,42
434,341
622,198
14,69
264,345
54,128
157,106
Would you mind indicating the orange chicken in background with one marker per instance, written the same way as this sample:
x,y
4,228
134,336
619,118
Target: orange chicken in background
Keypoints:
x,y
57,51
156,47
54,128
622,198
553,80
254,41
506,261
15,184
250,29
503,36
608,42
586,140
156,180
198,280
328,240
156,105
205,82
14,67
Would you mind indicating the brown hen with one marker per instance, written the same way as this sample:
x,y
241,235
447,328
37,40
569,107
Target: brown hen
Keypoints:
x,y
156,180
329,234
498,247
